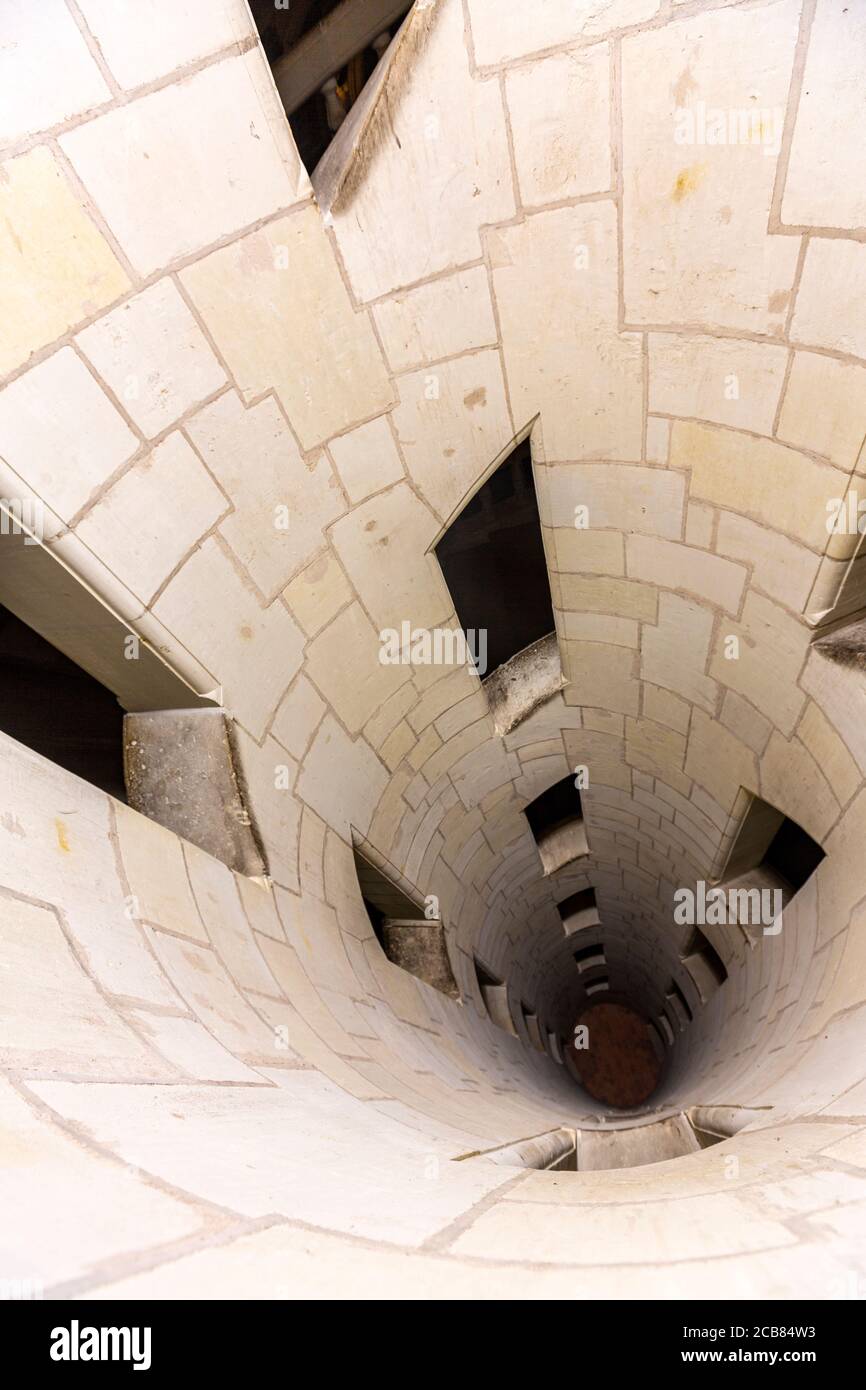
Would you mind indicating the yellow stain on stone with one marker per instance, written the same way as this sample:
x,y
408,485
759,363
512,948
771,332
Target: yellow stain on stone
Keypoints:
x,y
62,837
687,181
56,268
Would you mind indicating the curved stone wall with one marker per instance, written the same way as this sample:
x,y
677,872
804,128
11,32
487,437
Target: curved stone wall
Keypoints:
x,y
563,219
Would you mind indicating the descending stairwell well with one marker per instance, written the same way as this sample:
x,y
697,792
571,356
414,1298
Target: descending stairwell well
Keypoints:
x,y
529,356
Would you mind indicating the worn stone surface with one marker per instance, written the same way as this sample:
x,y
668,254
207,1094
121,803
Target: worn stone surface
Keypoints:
x,y
181,771
419,948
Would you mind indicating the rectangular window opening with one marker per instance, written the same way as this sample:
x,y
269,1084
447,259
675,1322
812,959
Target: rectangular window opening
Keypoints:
x,y
530,1020
678,1005
598,986
705,966
494,993
556,821
589,953
322,54
771,855
408,938
493,561
591,958
793,854
79,687
57,709
579,911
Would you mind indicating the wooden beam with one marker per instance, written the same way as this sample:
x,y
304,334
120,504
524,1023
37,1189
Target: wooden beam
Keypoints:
x,y
322,51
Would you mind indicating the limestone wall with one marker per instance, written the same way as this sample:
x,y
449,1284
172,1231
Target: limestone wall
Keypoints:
x,y
535,231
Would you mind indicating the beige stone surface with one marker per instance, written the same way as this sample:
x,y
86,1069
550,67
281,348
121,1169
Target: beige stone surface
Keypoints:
x,y
166,900
343,663
282,505
186,1044
63,78
719,761
560,122
775,485
214,999
829,752
772,649
382,546
601,627
833,284
674,653
53,1227
824,409
367,459
744,720
500,33
61,434
658,435
215,890
719,379
208,583
823,186
652,748
621,497
327,371
622,597
298,716
449,315
700,524
344,804
58,269
665,708
318,593
781,568
222,1085
603,675
696,248
56,1019
453,131
140,539
153,356
675,566
149,165
624,1235
555,280
579,551
149,41
452,423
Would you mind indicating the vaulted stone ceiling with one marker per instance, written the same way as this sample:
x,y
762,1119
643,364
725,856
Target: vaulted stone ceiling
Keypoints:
x,y
633,233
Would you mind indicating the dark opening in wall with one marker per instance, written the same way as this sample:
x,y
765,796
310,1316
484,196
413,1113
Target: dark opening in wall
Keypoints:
x,y
58,710
793,854
589,959
530,1021
322,53
579,911
587,953
83,689
678,1005
492,557
772,857
408,938
383,899
705,966
554,807
556,820
494,993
